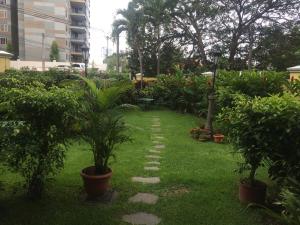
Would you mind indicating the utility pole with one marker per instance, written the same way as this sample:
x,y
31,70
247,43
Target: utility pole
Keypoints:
x,y
43,52
118,53
107,39
14,28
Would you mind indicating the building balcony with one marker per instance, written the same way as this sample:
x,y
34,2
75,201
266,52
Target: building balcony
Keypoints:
x,y
78,2
78,27
79,40
79,14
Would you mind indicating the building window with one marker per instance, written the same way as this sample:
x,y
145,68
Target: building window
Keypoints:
x,y
3,2
3,41
3,28
3,14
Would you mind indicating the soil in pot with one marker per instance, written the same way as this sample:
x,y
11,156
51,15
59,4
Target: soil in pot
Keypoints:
x,y
95,185
252,193
218,138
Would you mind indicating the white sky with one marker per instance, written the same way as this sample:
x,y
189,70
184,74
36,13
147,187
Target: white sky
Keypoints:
x,y
102,16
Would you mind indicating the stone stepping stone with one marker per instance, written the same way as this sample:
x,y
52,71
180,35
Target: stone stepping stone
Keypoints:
x,y
153,163
155,151
156,129
156,142
141,218
153,157
158,137
146,198
160,146
156,125
151,168
146,180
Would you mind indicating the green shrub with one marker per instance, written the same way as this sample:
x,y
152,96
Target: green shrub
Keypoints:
x,y
250,83
37,123
181,93
294,87
102,124
266,128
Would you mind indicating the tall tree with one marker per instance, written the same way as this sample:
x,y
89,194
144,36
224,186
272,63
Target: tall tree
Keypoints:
x,y
156,14
236,17
54,52
133,22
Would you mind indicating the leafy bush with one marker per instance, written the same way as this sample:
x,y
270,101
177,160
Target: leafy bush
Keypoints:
x,y
252,84
102,125
294,87
266,128
289,203
181,93
49,78
37,123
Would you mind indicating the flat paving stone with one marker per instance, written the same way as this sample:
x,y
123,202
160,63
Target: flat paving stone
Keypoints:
x,y
151,168
156,129
153,163
144,198
160,146
153,157
156,125
155,151
158,137
141,218
146,180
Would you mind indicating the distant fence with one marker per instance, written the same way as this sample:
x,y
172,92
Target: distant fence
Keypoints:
x,y
35,65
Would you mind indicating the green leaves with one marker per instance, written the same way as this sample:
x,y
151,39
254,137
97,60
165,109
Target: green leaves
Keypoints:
x,y
102,124
36,122
266,129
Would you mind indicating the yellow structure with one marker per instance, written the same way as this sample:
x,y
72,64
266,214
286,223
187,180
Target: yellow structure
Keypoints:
x,y
4,61
294,73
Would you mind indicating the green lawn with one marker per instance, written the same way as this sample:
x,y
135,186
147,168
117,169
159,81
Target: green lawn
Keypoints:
x,y
198,183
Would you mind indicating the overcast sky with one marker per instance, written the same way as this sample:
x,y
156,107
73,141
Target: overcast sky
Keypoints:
x,y
103,13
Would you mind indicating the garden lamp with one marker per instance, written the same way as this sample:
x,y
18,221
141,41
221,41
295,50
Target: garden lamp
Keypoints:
x,y
211,96
85,51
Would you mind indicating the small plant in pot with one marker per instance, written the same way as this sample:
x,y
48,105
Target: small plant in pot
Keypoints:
x,y
241,128
103,129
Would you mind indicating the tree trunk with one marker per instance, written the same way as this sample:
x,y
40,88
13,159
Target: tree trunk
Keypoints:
x,y
158,50
201,50
118,54
233,49
141,66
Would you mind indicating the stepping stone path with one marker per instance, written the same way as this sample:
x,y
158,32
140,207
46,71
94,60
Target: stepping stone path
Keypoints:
x,y
142,218
146,198
151,168
153,157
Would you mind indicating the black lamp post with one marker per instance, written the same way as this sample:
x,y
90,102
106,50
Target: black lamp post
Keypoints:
x,y
211,96
85,51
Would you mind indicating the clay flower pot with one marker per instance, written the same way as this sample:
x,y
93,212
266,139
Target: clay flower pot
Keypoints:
x,y
252,193
219,138
95,185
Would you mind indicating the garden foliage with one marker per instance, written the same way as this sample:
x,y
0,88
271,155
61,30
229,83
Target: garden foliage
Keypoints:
x,y
36,122
266,129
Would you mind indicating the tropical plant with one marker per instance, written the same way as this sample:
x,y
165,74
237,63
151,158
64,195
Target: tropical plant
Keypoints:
x,y
289,203
252,126
54,53
102,125
241,127
36,124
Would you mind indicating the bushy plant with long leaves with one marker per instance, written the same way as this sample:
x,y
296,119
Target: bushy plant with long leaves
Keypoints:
x,y
102,124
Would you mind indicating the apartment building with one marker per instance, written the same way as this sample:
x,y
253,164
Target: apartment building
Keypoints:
x,y
41,22
5,25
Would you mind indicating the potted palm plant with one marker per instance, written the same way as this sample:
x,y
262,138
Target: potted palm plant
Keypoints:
x,y
103,129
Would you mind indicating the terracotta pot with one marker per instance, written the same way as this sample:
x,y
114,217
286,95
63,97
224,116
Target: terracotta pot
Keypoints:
x,y
253,194
219,138
95,185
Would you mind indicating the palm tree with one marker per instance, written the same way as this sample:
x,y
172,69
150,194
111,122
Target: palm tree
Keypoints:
x,y
156,14
133,22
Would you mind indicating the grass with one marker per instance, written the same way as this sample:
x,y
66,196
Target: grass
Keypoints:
x,y
198,184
